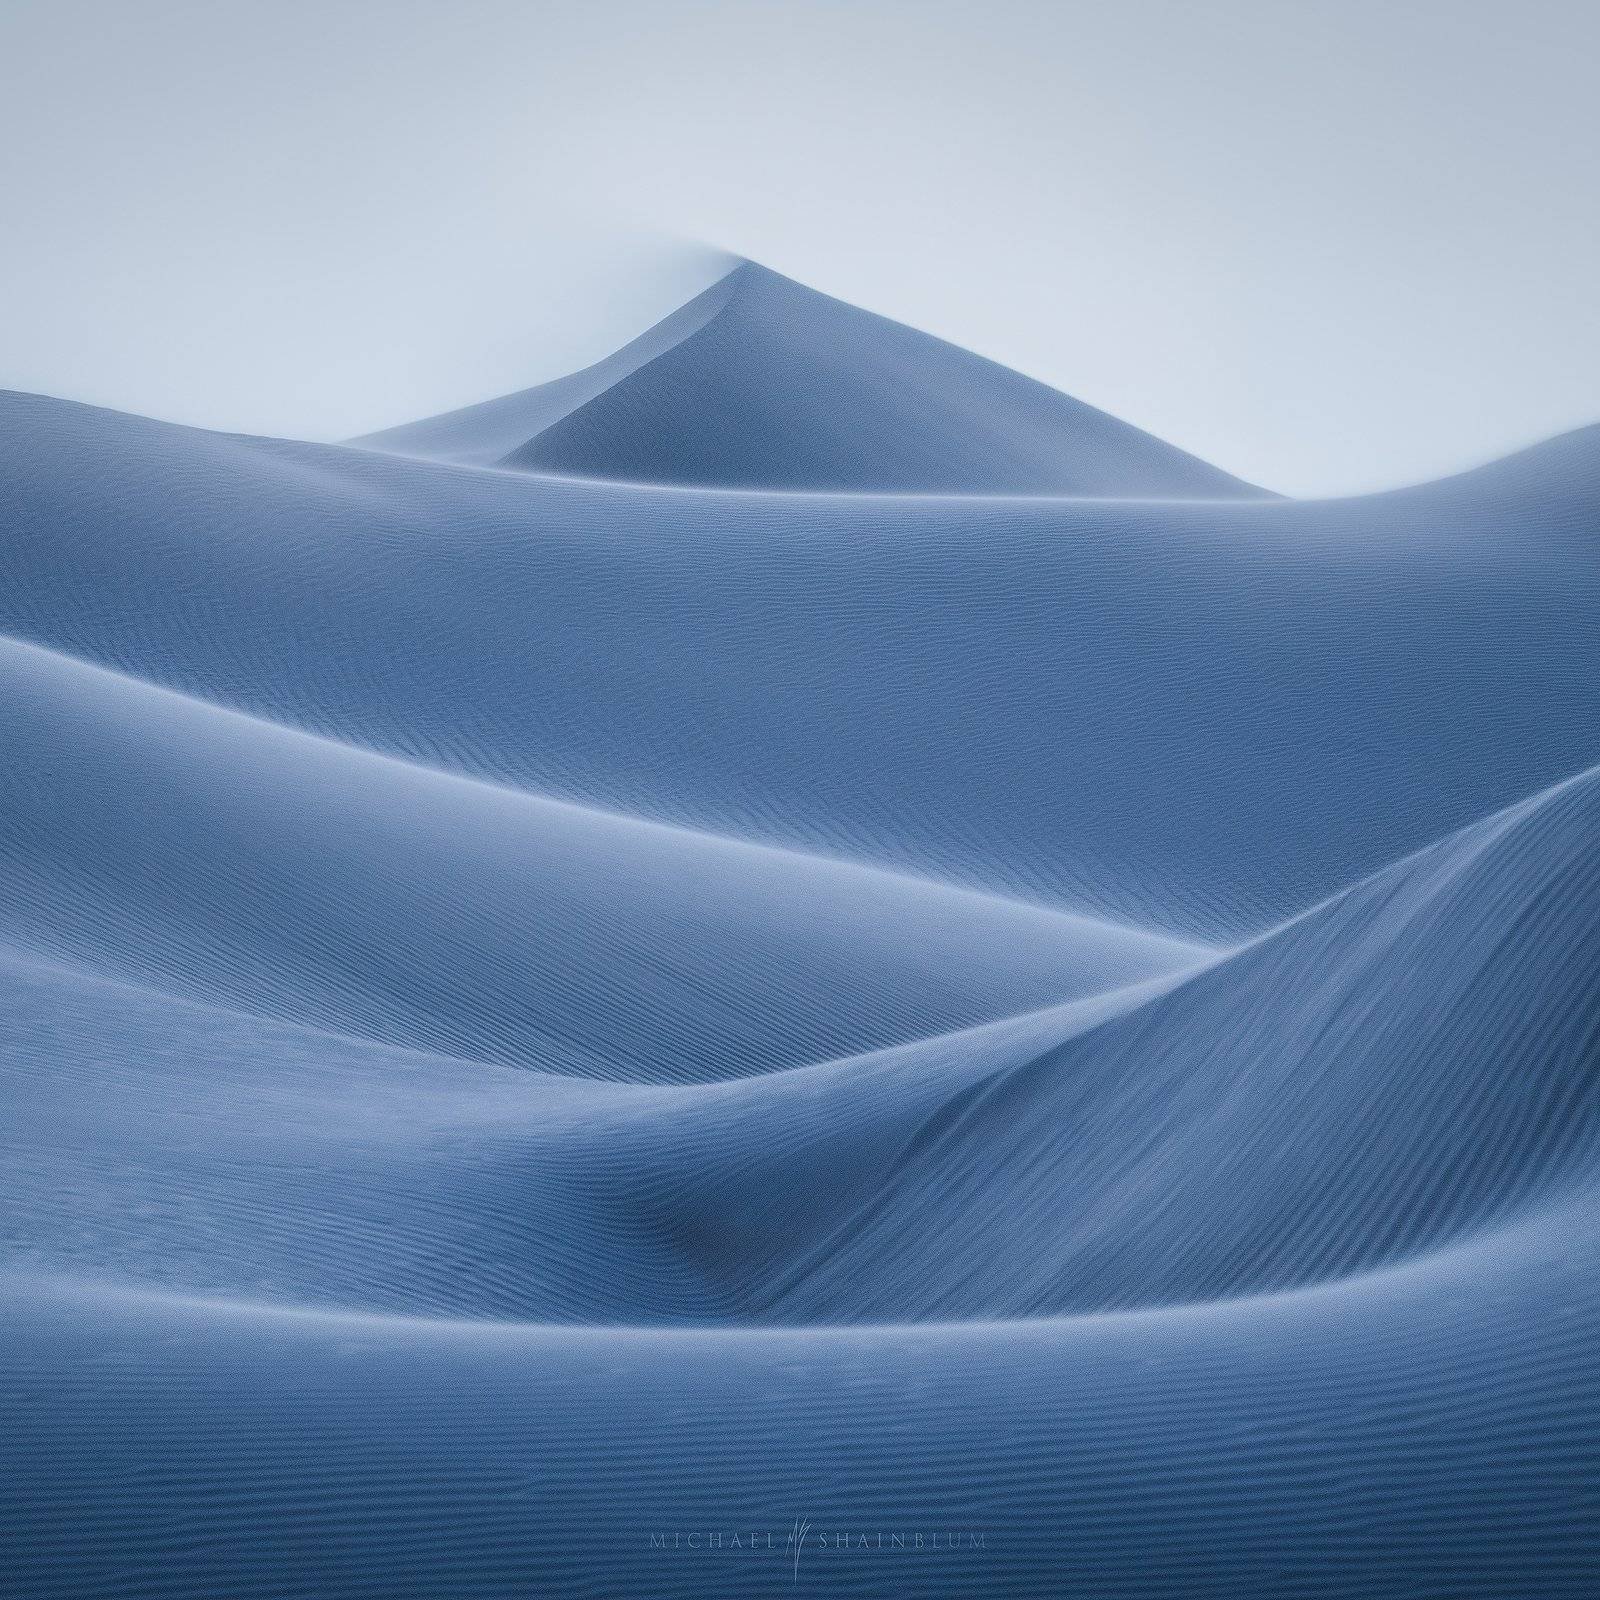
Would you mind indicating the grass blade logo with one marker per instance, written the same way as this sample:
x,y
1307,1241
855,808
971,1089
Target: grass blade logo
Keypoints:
x,y
797,1538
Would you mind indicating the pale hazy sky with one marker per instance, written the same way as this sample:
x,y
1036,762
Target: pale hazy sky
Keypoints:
x,y
1327,244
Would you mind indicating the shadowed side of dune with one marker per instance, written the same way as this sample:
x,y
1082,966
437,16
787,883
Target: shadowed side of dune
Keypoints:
x,y
1415,1062
481,435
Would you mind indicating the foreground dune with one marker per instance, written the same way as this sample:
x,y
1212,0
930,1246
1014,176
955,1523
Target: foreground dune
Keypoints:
x,y
789,965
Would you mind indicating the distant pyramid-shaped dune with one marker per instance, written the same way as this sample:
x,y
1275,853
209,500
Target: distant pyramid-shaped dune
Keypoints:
x,y
761,383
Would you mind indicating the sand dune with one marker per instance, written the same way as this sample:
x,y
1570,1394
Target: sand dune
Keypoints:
x,y
793,965
762,383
